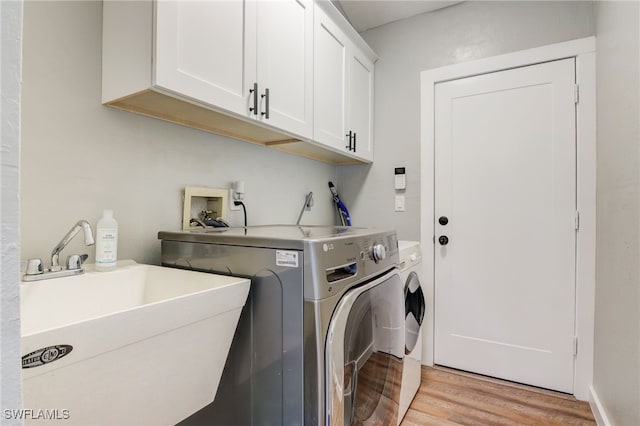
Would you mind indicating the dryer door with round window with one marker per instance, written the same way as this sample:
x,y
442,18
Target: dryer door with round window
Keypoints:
x,y
365,353
414,309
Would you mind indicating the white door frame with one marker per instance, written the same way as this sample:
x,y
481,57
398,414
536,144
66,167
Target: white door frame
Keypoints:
x,y
584,52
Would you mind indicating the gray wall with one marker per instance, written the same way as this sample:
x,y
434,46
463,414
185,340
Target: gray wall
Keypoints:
x,y
463,32
10,48
617,315
79,157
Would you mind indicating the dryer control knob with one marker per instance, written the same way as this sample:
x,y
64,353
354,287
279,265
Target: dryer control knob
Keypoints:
x,y
378,252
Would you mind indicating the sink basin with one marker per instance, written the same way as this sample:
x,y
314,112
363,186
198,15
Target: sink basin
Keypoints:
x,y
139,345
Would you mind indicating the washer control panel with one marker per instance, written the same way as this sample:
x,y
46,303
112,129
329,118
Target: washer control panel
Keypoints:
x,y
378,252
344,262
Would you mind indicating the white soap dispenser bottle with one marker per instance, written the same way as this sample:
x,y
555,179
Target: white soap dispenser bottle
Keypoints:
x,y
106,242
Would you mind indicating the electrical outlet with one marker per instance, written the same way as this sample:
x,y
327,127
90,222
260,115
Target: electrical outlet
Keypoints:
x,y
233,207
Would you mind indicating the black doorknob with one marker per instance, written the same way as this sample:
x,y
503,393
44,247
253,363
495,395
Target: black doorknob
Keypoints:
x,y
443,240
443,220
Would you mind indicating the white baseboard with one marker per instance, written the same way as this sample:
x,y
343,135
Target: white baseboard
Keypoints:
x,y
598,410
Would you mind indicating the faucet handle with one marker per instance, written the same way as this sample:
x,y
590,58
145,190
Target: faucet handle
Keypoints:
x,y
34,267
75,261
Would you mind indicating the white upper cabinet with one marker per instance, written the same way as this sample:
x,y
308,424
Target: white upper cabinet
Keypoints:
x,y
288,74
285,64
343,90
360,105
206,50
251,58
330,82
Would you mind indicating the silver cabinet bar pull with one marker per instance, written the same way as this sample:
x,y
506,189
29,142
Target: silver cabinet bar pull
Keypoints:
x,y
254,91
266,103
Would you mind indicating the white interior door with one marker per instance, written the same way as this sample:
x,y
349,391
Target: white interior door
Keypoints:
x,y
505,178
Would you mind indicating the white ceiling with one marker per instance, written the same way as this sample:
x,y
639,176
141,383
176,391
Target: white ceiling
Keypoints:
x,y
366,14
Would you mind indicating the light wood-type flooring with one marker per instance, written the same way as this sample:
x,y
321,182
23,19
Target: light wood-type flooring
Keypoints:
x,y
451,397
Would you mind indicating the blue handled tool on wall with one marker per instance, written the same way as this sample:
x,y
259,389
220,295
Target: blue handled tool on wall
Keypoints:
x,y
345,219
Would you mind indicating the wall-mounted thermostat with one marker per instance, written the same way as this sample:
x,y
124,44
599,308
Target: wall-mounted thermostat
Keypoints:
x,y
401,180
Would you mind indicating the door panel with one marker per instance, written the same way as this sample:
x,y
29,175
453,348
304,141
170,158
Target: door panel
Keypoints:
x,y
330,97
361,103
285,63
364,354
207,51
505,179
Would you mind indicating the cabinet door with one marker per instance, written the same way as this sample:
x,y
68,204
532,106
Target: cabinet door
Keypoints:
x,y
330,65
360,104
206,50
285,64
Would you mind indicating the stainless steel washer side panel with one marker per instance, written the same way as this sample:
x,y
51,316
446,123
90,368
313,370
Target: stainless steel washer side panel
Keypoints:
x,y
271,236
229,236
313,367
262,382
326,247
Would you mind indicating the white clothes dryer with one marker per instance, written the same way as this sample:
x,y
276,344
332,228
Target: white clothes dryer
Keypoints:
x,y
414,311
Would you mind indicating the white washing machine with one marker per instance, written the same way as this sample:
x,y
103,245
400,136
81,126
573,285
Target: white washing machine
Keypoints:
x,y
414,310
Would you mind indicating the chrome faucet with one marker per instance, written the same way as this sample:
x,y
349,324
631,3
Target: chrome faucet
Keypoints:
x,y
35,270
88,241
308,202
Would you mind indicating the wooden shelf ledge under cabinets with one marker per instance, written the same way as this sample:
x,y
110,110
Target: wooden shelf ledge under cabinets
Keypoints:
x,y
166,107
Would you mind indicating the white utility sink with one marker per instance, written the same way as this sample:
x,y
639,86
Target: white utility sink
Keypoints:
x,y
139,345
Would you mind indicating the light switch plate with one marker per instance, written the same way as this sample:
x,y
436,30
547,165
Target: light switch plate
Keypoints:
x,y
399,203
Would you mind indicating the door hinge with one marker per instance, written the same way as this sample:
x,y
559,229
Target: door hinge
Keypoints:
x,y
575,345
576,93
577,220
